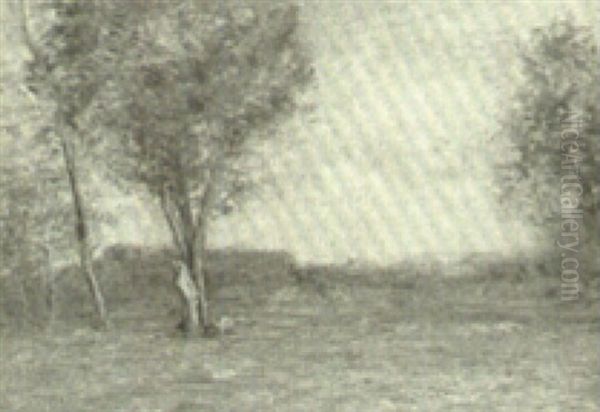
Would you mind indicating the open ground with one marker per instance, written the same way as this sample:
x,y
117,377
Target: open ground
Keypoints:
x,y
328,338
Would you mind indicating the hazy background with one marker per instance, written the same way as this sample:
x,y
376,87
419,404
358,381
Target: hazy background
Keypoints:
x,y
396,159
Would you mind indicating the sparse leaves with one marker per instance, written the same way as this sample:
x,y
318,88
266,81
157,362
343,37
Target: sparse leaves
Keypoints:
x,y
560,77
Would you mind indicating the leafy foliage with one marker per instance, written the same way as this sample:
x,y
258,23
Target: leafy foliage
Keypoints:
x,y
560,81
173,95
198,86
35,220
63,74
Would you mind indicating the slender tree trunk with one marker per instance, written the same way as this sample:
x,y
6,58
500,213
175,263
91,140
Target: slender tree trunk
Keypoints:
x,y
24,301
200,272
50,293
177,210
49,283
81,231
200,227
195,262
189,297
190,283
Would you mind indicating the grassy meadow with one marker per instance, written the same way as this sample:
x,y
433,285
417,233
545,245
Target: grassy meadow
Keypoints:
x,y
335,338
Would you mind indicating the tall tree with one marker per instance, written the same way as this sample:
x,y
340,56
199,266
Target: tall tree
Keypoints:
x,y
199,87
61,71
553,127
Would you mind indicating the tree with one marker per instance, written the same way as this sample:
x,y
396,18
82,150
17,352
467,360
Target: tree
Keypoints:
x,y
33,219
198,87
62,73
553,128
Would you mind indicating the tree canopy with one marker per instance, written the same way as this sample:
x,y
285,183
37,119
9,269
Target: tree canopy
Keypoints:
x,y
559,88
180,108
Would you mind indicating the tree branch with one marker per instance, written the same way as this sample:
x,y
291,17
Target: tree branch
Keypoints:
x,y
177,237
24,20
208,190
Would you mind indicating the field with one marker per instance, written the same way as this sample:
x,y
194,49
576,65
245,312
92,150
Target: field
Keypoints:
x,y
326,339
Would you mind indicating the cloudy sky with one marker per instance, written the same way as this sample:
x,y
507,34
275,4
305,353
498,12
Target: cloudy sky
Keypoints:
x,y
399,160
396,159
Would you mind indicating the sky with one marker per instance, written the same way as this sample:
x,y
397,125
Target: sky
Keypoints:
x,y
399,161
395,160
